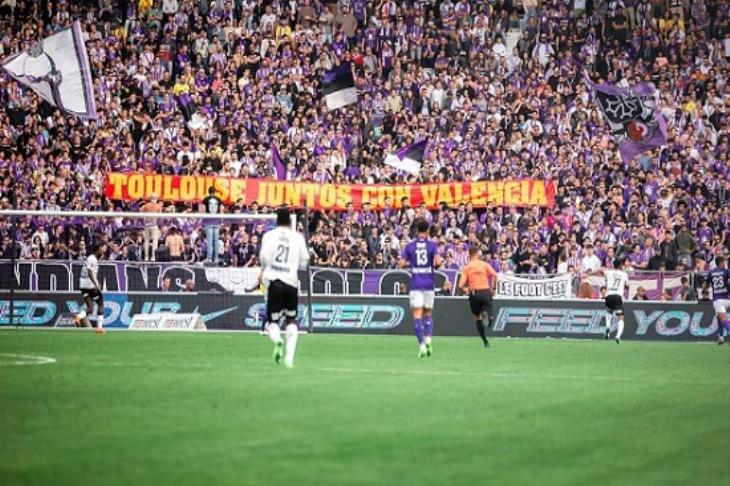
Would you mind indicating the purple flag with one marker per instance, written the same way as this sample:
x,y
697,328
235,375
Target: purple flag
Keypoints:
x,y
278,164
632,116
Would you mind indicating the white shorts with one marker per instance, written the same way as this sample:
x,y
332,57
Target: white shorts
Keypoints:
x,y
422,299
721,305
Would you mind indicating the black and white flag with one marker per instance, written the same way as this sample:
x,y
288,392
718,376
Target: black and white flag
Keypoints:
x,y
57,68
338,87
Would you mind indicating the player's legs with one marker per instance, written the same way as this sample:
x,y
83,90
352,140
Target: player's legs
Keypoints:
x,y
274,307
619,319
428,329
292,331
477,306
100,314
723,326
292,334
82,318
428,299
610,307
417,304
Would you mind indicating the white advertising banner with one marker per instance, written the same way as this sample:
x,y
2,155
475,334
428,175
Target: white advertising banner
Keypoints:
x,y
167,322
556,287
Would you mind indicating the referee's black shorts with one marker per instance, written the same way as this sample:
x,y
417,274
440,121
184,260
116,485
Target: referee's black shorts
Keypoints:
x,y
480,301
281,301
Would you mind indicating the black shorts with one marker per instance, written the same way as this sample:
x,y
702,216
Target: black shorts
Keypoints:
x,y
281,300
93,293
614,303
480,302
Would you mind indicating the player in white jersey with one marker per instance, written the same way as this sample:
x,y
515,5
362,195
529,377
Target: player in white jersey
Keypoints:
x,y
91,290
617,281
283,253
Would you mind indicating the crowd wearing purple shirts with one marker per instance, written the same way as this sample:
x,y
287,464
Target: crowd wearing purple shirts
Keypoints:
x,y
210,86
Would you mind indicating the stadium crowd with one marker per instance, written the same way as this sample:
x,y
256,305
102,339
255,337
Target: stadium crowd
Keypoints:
x,y
209,86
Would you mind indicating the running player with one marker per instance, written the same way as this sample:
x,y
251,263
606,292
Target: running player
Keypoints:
x,y
616,281
475,281
91,290
283,253
422,256
719,279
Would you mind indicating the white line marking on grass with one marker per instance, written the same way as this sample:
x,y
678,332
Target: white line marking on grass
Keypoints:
x,y
24,360
498,374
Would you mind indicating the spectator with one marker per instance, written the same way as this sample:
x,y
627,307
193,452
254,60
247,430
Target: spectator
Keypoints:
x,y
590,263
151,229
687,292
166,285
640,294
667,296
212,204
253,72
685,244
175,245
190,285
585,291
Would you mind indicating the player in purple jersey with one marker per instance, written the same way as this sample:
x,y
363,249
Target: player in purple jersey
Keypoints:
x,y
422,256
719,279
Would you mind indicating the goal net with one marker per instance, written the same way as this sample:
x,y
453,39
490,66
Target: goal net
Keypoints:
x,y
153,263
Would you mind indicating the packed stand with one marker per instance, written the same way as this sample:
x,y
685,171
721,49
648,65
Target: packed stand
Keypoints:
x,y
208,87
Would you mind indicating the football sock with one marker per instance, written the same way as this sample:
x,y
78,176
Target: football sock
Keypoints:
x,y
482,331
274,332
428,327
100,322
292,333
81,315
620,328
418,328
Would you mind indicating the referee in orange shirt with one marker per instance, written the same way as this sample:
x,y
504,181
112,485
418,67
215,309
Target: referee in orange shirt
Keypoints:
x,y
475,280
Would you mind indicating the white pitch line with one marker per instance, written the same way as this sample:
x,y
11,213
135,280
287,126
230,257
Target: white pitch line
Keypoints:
x,y
497,374
25,360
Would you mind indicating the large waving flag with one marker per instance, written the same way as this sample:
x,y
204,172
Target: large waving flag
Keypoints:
x,y
409,158
632,116
338,87
57,68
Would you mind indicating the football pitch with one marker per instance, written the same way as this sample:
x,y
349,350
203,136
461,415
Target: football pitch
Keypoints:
x,y
212,408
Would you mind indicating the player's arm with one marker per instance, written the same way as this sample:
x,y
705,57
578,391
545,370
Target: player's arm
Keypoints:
x,y
463,281
92,277
492,273
437,260
403,262
264,251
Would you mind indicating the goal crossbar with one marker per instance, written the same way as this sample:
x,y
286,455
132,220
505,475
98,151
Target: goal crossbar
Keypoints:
x,y
20,213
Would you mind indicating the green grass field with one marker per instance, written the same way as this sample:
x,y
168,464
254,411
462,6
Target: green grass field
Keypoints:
x,y
155,408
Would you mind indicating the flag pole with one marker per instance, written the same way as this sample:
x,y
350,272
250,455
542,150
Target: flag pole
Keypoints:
x,y
309,268
14,231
